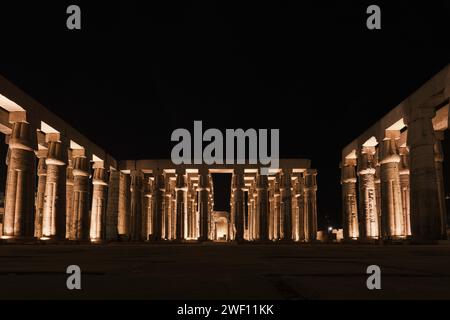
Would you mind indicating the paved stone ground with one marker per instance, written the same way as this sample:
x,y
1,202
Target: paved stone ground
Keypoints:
x,y
213,271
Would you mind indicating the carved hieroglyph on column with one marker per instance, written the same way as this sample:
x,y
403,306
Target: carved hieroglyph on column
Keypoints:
x,y
425,210
350,211
393,224
79,226
40,193
439,159
311,204
19,197
54,220
369,212
69,193
99,198
404,185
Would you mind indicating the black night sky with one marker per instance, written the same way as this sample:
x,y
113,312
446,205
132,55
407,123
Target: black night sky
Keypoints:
x,y
135,72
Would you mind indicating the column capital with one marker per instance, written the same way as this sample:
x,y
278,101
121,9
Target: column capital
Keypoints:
x,y
57,153
23,136
262,182
367,161
310,179
100,177
403,166
181,183
389,153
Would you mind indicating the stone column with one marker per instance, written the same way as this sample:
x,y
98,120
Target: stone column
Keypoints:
x,y
181,194
404,186
40,194
159,198
425,210
149,212
286,204
80,223
136,189
262,206
300,199
438,160
311,204
277,209
54,219
238,198
378,190
124,206
20,183
349,201
211,207
391,199
271,209
250,205
203,194
69,193
112,207
167,218
99,202
369,212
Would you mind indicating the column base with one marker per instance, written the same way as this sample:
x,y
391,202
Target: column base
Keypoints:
x,y
98,241
18,240
123,238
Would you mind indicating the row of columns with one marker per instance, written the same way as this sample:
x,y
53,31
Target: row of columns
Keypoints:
x,y
80,201
279,208
400,186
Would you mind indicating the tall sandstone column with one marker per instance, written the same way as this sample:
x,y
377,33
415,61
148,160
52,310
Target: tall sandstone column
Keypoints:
x,y
238,198
40,194
99,202
438,160
149,230
79,225
20,183
181,205
425,209
369,212
69,193
404,186
349,202
262,207
136,189
203,194
54,219
124,206
311,204
286,204
112,208
300,199
393,225
378,190
277,209
159,205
